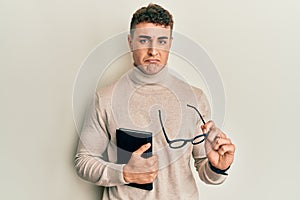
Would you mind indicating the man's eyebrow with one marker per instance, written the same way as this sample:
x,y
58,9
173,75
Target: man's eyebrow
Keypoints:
x,y
149,37
163,37
144,36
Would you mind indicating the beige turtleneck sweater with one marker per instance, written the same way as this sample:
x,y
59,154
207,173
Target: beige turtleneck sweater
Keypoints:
x,y
133,103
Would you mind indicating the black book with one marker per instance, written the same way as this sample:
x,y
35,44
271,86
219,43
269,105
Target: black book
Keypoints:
x,y
129,141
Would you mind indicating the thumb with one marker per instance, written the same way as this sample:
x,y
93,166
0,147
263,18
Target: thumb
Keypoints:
x,y
142,149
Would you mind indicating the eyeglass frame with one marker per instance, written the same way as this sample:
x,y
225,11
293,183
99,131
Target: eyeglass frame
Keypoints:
x,y
185,141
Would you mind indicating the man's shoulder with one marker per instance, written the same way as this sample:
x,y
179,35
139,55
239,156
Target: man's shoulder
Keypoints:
x,y
106,92
196,90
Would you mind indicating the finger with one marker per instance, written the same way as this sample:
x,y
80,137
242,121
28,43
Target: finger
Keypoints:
x,y
153,170
220,142
214,134
218,132
142,149
154,176
151,177
222,135
150,168
207,126
226,149
152,161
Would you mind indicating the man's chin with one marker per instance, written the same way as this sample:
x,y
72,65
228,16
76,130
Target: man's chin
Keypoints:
x,y
151,69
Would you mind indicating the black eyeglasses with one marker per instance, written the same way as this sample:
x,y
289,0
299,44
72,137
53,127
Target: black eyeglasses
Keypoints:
x,y
178,143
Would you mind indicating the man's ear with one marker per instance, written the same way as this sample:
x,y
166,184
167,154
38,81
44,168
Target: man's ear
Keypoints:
x,y
130,42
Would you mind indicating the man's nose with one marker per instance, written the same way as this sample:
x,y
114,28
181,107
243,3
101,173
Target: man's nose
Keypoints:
x,y
152,51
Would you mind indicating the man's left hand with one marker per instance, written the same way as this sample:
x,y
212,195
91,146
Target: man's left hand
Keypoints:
x,y
219,148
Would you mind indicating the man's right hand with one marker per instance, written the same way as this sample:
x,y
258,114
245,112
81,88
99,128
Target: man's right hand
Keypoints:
x,y
141,170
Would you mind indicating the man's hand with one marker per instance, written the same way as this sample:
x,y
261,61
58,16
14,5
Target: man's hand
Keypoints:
x,y
219,149
141,170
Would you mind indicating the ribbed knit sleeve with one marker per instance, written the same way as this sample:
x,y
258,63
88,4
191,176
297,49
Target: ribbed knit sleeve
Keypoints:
x,y
90,159
206,174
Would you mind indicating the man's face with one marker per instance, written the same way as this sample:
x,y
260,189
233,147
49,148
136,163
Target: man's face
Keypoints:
x,y
150,45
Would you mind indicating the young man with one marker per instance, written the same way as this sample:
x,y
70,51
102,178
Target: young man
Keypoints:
x,y
149,98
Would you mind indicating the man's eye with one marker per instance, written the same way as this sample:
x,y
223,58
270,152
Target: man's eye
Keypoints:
x,y
144,41
162,42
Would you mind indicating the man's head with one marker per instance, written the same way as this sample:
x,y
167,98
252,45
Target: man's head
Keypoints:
x,y
150,38
154,14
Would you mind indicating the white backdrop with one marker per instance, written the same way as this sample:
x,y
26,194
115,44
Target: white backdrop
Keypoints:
x,y
255,45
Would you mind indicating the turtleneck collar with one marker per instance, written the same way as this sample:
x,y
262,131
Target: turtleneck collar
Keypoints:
x,y
140,78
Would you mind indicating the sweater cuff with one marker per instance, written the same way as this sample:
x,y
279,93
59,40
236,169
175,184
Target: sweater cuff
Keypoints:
x,y
215,178
216,170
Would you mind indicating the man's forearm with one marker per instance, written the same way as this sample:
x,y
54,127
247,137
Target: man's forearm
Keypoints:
x,y
98,171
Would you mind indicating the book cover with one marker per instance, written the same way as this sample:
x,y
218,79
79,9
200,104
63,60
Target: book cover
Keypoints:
x,y
129,141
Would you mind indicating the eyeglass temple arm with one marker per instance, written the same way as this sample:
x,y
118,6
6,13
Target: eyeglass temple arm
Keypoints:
x,y
197,112
162,126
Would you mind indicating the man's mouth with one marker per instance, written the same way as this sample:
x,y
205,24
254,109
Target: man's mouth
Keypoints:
x,y
152,61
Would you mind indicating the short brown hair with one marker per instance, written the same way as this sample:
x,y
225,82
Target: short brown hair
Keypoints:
x,y
153,13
